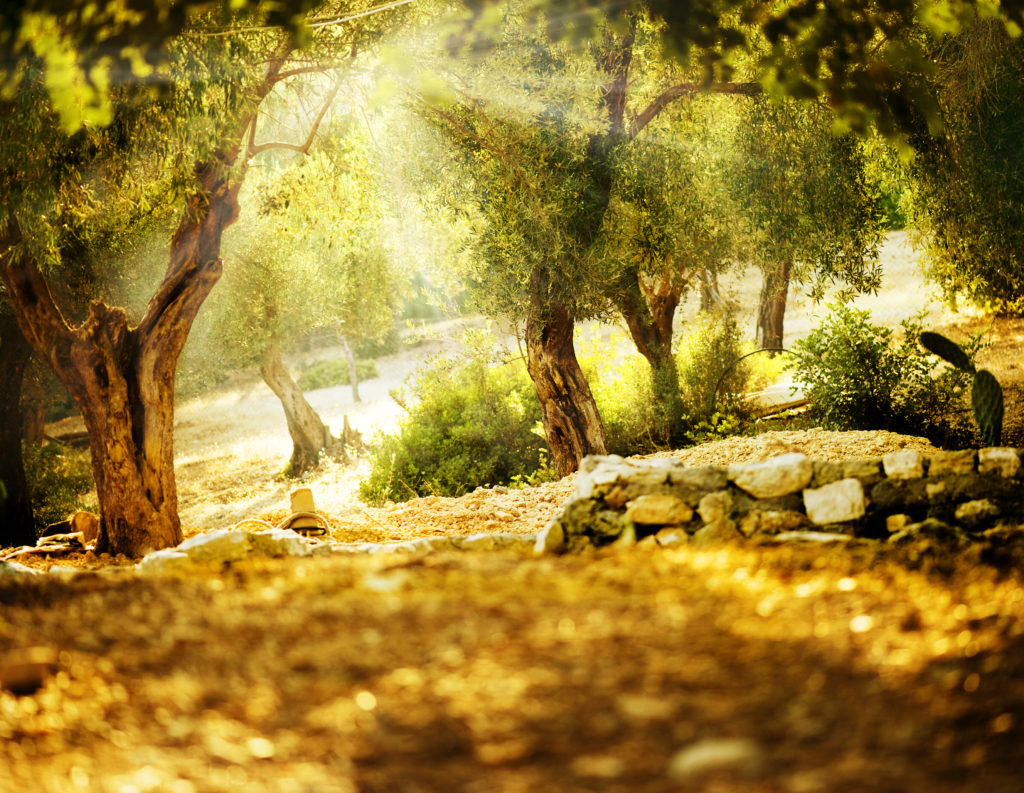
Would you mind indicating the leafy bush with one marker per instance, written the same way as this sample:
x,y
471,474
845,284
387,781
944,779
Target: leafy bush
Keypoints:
x,y
325,374
622,388
59,478
858,376
711,374
470,422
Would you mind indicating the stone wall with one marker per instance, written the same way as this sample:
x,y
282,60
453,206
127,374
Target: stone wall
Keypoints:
x,y
953,494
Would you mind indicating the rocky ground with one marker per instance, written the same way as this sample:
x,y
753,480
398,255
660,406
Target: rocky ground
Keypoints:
x,y
727,668
716,669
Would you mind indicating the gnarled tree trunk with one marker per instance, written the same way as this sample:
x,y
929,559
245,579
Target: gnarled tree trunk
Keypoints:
x,y
16,524
771,309
122,378
310,436
572,424
649,309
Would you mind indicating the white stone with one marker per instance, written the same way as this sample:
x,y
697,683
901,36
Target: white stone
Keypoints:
x,y
740,756
780,476
551,539
600,472
999,458
477,542
672,538
279,542
225,545
13,570
658,509
514,540
835,503
903,465
714,533
972,513
812,537
715,506
165,561
951,462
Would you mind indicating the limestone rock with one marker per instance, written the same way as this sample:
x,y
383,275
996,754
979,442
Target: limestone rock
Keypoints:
x,y
658,510
168,560
739,756
1001,459
672,538
974,513
551,539
770,521
476,542
826,472
226,545
835,503
279,542
24,671
15,570
895,523
715,506
718,532
514,540
779,476
951,462
705,477
808,537
930,529
868,470
903,465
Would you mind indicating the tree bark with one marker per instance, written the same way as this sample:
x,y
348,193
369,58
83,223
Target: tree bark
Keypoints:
x,y
123,378
353,370
649,308
310,436
572,424
710,293
771,309
17,526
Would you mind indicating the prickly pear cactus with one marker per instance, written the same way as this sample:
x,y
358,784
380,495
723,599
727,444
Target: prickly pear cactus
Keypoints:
x,y
987,401
986,394
939,345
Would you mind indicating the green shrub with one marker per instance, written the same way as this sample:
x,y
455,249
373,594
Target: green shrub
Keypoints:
x,y
325,374
633,419
59,478
858,376
470,423
708,358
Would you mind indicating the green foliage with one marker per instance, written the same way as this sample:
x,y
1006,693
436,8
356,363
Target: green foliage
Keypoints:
x,y
968,197
59,478
632,414
325,374
986,394
708,358
806,197
859,376
470,422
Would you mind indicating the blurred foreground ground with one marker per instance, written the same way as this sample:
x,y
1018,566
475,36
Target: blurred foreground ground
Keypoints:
x,y
769,669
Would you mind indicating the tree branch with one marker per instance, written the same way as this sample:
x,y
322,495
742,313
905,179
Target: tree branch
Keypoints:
x,y
303,148
669,95
40,319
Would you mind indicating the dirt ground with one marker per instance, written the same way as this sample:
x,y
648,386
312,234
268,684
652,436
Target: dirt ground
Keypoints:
x,y
740,668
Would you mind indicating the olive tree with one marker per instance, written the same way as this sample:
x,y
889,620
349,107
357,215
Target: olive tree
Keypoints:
x,y
204,129
807,204
311,255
